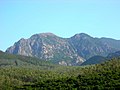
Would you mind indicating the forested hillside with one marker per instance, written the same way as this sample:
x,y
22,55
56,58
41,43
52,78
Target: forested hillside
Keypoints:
x,y
105,76
52,77
18,60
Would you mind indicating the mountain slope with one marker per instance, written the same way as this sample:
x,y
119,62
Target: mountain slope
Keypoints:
x,y
18,60
114,55
47,46
105,76
101,59
112,42
64,51
87,46
94,60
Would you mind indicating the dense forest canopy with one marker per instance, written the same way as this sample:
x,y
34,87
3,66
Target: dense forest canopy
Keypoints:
x,y
48,76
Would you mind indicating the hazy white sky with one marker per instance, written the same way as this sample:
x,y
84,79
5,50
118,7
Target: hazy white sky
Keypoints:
x,y
23,18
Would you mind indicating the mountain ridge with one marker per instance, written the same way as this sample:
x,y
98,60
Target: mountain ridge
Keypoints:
x,y
67,51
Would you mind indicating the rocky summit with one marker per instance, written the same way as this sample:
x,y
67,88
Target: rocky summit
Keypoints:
x,y
64,51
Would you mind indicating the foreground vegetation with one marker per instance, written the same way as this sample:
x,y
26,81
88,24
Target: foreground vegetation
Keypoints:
x,y
103,76
18,73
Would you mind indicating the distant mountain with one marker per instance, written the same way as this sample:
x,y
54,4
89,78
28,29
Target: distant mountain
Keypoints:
x,y
87,46
64,51
112,42
100,59
94,60
114,55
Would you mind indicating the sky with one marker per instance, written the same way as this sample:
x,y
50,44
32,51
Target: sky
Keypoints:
x,y
65,18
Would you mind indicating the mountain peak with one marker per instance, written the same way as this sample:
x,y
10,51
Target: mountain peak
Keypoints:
x,y
82,35
43,35
47,34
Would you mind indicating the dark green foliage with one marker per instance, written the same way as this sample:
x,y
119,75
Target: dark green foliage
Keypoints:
x,y
94,60
26,73
18,60
104,76
100,59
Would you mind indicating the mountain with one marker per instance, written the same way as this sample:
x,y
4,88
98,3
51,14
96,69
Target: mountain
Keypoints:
x,y
49,47
100,59
64,51
87,46
112,42
94,60
114,55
